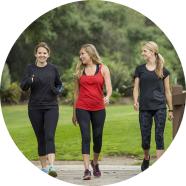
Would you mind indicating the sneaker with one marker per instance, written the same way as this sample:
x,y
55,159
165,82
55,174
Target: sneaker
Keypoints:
x,y
52,172
45,170
96,171
87,175
145,164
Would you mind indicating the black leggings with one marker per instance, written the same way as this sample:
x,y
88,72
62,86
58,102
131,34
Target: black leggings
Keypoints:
x,y
146,119
97,118
44,122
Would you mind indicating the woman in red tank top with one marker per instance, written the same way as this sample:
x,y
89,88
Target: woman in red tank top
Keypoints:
x,y
89,103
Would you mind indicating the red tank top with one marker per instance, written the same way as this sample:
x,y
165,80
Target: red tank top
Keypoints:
x,y
91,92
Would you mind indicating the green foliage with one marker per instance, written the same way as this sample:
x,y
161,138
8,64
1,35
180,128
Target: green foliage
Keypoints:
x,y
115,97
120,75
12,94
68,81
40,30
115,30
5,79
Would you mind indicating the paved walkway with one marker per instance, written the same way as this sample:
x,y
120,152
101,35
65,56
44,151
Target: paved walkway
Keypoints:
x,y
113,170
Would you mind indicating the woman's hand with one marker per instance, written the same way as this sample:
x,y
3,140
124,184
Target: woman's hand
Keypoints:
x,y
136,106
74,120
170,115
33,77
106,100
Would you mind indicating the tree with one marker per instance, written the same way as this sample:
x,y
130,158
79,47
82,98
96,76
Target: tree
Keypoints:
x,y
5,79
9,92
115,30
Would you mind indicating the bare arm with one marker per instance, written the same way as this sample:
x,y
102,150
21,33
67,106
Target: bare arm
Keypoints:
x,y
108,85
76,93
168,96
136,93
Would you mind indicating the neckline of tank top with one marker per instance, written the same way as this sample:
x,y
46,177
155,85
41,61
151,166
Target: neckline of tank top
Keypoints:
x,y
97,71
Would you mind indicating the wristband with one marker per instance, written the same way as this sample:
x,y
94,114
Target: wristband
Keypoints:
x,y
170,110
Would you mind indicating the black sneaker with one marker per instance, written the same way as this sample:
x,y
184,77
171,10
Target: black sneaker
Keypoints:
x,y
87,175
145,164
96,171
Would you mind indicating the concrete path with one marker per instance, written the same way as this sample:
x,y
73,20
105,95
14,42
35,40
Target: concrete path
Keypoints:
x,y
113,171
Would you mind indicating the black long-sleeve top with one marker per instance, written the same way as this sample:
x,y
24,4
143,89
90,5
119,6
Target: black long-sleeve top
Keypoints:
x,y
45,87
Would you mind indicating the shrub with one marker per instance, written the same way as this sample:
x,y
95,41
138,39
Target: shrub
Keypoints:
x,y
11,95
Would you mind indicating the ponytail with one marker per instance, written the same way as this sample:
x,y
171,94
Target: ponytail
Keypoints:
x,y
159,65
152,46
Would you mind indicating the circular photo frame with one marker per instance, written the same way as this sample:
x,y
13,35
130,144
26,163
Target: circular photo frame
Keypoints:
x,y
126,42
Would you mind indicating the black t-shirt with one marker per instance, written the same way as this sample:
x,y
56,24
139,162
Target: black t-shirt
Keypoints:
x,y
151,93
45,87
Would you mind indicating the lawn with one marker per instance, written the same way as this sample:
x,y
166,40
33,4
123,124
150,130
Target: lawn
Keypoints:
x,y
121,133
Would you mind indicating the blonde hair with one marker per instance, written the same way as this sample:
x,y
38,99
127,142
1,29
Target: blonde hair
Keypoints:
x,y
152,46
94,55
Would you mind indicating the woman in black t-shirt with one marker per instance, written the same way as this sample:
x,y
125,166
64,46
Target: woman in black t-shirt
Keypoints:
x,y
151,88
43,80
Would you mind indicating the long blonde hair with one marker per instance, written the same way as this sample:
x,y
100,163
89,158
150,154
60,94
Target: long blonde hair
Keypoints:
x,y
94,55
152,46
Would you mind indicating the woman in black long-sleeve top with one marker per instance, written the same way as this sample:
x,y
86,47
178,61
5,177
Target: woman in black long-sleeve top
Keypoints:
x,y
42,78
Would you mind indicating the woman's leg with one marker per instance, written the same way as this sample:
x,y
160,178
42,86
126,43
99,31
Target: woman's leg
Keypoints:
x,y
83,118
51,158
160,119
97,119
159,153
145,119
50,122
37,121
44,161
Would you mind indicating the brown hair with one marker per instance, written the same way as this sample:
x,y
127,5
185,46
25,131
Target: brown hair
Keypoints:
x,y
152,46
42,44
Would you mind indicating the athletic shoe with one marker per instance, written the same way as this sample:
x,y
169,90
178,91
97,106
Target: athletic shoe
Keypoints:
x,y
96,171
145,164
52,172
45,170
87,175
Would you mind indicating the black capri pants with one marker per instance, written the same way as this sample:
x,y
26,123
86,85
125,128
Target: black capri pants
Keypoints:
x,y
97,119
146,119
44,122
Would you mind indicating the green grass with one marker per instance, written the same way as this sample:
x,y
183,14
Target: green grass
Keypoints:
x,y
121,133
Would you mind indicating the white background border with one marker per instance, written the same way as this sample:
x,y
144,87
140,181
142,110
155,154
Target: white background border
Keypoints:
x,y
16,15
